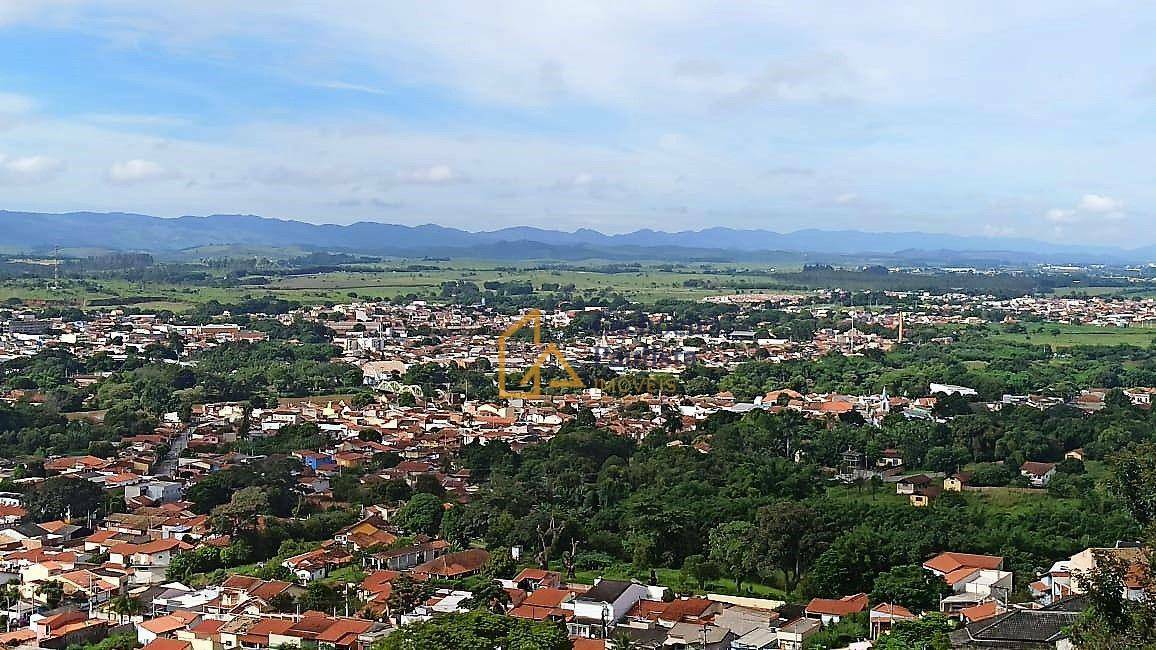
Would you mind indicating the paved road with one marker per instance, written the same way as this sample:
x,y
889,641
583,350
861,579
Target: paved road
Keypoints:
x,y
169,464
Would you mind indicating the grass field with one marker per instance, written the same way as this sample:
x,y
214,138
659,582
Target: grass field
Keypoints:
x,y
675,578
1132,291
1066,336
646,285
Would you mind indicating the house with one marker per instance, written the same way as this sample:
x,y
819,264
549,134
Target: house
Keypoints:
x,y
452,566
67,628
794,635
762,638
148,561
832,610
402,559
1065,575
366,535
606,603
545,604
972,587
316,564
949,389
1018,628
884,615
153,492
1038,474
957,482
922,498
532,579
909,484
164,626
203,635
980,612
890,458
948,562
167,644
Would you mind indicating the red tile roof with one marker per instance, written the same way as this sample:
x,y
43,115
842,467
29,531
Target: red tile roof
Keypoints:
x,y
949,561
838,607
167,644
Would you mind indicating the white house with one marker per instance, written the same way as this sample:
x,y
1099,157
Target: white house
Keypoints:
x,y
605,604
1038,474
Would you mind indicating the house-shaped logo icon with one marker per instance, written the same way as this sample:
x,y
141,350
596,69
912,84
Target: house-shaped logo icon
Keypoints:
x,y
532,377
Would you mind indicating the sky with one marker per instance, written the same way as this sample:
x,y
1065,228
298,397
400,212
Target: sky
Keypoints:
x,y
1028,119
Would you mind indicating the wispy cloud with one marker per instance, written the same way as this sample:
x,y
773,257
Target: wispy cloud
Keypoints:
x,y
359,88
28,170
1090,206
130,172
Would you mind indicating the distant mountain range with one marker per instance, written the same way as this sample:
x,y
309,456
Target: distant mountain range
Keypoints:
x,y
39,232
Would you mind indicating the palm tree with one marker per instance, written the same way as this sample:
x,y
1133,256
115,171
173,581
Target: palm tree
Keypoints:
x,y
125,605
622,641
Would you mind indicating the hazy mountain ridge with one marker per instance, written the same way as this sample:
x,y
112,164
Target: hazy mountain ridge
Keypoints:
x,y
30,231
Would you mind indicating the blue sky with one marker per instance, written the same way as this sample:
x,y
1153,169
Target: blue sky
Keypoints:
x,y
1036,119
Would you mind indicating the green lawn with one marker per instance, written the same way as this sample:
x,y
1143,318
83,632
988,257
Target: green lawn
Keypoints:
x,y
675,579
351,573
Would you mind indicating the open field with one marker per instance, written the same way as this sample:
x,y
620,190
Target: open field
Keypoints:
x,y
676,577
647,284
1065,336
1132,291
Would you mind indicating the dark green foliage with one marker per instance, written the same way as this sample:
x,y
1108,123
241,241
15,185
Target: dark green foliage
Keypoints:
x,y
911,586
59,497
477,630
421,514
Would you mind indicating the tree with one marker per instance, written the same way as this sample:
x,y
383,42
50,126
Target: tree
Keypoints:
x,y
189,563
1134,480
792,536
991,475
52,591
421,514
429,484
1113,621
910,585
320,597
547,538
126,606
732,546
928,633
701,569
500,565
282,602
490,596
241,512
621,640
61,497
405,594
477,630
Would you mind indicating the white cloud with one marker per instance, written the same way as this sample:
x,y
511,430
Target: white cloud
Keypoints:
x,y
28,170
432,175
1060,215
846,198
359,88
1090,206
1100,204
137,171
